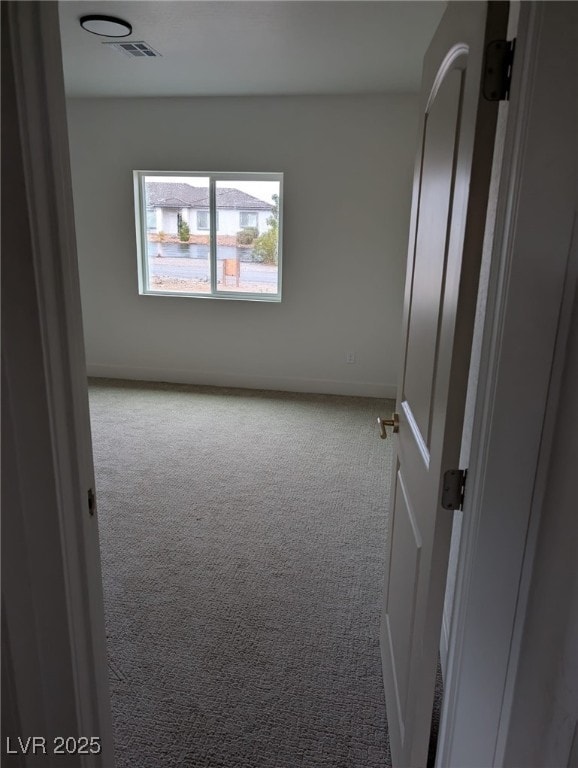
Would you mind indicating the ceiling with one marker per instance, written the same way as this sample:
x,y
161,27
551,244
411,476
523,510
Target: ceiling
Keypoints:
x,y
251,47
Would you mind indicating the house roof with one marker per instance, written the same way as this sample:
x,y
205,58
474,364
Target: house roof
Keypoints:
x,y
178,195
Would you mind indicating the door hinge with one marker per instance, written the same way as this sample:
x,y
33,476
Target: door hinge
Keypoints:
x,y
453,488
498,63
91,501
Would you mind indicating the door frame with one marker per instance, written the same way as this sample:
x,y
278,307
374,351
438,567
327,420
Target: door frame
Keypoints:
x,y
518,387
53,641
63,358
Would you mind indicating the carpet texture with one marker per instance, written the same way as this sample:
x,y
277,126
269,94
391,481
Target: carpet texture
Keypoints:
x,y
242,538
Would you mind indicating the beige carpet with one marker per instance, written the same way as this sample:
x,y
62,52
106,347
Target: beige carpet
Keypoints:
x,y
242,538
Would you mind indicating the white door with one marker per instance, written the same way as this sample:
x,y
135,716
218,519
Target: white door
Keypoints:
x,y
451,181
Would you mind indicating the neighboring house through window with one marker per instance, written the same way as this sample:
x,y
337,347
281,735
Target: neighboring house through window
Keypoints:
x,y
209,234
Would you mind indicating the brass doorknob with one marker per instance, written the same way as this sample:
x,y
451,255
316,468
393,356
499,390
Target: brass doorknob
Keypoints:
x,y
383,423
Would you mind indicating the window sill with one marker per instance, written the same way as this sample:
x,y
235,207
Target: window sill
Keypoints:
x,y
222,295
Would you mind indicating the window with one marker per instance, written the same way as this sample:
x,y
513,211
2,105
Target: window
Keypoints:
x,y
203,220
212,235
151,218
249,219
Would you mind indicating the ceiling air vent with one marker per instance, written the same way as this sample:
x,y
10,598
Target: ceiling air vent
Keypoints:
x,y
135,49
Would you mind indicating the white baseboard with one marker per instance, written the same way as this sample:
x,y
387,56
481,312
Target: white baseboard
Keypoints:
x,y
217,379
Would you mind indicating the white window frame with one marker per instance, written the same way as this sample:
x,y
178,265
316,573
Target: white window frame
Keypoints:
x,y
213,176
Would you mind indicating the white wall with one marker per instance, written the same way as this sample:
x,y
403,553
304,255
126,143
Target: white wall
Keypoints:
x,y
348,164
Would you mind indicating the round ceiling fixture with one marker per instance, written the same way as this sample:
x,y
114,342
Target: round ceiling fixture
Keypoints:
x,y
106,26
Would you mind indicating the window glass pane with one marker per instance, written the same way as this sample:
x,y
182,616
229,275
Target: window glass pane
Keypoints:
x,y
248,219
178,249
203,219
248,236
